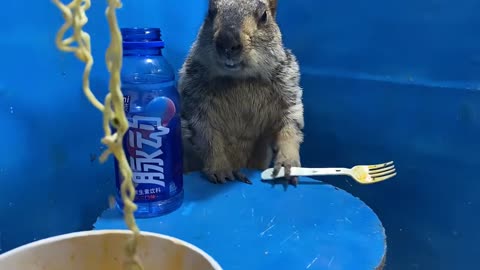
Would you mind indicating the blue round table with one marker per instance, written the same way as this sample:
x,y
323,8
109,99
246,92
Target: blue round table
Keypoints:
x,y
313,226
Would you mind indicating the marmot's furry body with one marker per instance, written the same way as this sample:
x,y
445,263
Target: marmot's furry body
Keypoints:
x,y
241,99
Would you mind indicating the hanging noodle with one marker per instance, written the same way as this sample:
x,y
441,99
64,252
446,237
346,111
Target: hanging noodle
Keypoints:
x,y
75,17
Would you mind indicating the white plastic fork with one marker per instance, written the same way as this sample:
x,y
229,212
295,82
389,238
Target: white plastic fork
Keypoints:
x,y
363,174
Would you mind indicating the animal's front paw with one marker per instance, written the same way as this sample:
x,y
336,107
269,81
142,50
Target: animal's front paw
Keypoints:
x,y
287,162
221,176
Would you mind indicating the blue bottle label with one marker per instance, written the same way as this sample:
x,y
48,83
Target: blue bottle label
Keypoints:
x,y
153,149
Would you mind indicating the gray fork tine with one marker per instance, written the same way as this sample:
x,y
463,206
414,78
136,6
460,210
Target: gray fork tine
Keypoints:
x,y
382,173
377,166
382,170
378,179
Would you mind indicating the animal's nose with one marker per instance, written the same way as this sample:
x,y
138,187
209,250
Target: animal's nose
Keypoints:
x,y
228,44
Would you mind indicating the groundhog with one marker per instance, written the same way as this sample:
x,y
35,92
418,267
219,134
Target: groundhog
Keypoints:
x,y
241,99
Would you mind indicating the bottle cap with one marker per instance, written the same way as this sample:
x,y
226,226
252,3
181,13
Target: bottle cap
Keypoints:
x,y
136,37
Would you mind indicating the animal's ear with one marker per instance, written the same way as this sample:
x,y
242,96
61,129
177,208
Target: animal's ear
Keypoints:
x,y
273,6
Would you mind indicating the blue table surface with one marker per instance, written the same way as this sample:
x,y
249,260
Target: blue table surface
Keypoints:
x,y
313,226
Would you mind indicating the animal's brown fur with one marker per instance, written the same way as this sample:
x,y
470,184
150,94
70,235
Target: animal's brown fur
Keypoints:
x,y
241,117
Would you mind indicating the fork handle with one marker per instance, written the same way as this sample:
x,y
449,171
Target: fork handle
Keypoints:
x,y
299,171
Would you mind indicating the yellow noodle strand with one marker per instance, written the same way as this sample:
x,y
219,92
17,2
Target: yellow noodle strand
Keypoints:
x,y
75,17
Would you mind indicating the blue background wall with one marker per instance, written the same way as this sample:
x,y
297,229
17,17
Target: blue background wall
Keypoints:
x,y
383,80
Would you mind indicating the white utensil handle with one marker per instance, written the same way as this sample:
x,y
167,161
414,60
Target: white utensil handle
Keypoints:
x,y
299,171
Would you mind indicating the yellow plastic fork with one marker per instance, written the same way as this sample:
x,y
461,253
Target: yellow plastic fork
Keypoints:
x,y
363,174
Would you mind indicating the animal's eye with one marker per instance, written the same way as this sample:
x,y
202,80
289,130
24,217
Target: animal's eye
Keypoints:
x,y
264,17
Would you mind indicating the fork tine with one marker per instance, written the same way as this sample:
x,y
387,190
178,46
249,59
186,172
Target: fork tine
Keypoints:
x,y
381,170
380,165
383,178
382,173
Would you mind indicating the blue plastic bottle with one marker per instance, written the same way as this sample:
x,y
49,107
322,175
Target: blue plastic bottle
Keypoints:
x,y
153,144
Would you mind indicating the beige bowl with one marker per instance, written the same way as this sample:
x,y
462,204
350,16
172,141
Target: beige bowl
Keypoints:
x,y
104,250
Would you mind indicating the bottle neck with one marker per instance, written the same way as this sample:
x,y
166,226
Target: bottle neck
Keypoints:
x,y
142,51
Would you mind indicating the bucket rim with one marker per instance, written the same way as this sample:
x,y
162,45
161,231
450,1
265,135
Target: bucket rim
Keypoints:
x,y
78,234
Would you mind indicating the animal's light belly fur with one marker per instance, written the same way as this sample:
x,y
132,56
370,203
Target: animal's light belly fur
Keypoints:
x,y
251,152
247,129
246,116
